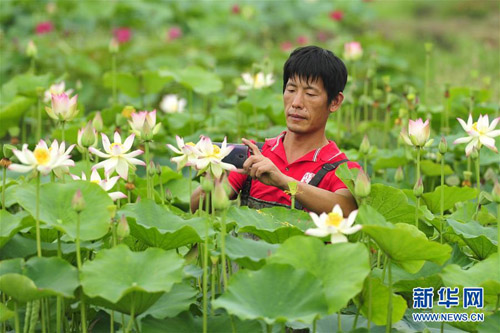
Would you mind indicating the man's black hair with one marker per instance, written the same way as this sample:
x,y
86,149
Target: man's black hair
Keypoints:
x,y
312,62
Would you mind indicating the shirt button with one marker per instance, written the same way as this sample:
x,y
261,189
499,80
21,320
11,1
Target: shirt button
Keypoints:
x,y
286,169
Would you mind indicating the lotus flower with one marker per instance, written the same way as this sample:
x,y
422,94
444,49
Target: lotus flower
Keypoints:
x,y
334,224
286,46
353,51
418,133
257,81
87,136
337,15
187,152
302,40
172,104
63,108
56,89
106,184
174,33
210,157
480,133
44,159
144,124
116,155
122,35
44,27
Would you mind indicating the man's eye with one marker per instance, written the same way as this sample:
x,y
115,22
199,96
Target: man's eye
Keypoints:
x,y
290,90
312,95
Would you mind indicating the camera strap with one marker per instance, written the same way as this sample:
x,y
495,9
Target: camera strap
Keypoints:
x,y
327,167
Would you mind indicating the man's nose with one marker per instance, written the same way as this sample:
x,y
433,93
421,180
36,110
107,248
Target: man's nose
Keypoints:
x,y
297,102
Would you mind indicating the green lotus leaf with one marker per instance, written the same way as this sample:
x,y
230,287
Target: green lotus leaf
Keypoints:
x,y
347,175
407,246
5,313
379,302
118,274
490,324
392,203
483,274
249,253
56,209
276,294
341,268
199,80
432,169
125,82
186,323
452,195
481,240
273,225
11,224
38,277
158,227
153,82
170,304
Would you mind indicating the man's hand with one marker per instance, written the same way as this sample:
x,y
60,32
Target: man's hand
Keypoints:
x,y
262,168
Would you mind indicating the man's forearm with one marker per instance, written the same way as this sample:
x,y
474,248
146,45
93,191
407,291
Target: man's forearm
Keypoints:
x,y
319,200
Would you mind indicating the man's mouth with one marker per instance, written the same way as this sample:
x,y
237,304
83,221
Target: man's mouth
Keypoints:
x,y
296,116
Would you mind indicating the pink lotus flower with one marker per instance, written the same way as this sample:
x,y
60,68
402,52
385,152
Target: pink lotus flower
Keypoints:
x,y
418,133
302,40
210,156
353,51
116,155
63,108
235,9
44,159
122,35
106,184
480,133
55,89
337,15
144,124
44,27
286,46
174,33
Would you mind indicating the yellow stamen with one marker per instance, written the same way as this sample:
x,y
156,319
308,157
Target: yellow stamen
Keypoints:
x,y
190,144
115,144
334,219
42,155
95,181
215,153
474,127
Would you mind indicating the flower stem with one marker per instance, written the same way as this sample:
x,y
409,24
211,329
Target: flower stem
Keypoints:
x,y
478,177
388,326
87,162
223,248
37,217
4,176
442,201
132,314
148,179
292,207
191,189
113,71
418,164
16,320
79,265
339,323
416,211
190,102
63,130
205,271
498,246
27,316
427,66
365,102
39,118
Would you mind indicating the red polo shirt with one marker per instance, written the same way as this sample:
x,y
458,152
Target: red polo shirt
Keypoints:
x,y
302,169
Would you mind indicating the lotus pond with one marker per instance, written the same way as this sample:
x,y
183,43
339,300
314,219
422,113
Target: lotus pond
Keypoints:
x,y
108,113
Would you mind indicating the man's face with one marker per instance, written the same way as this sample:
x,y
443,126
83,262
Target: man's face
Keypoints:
x,y
306,107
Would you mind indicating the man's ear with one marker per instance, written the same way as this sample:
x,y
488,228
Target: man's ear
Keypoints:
x,y
336,102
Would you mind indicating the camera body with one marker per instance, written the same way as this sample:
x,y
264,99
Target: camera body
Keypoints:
x,y
239,154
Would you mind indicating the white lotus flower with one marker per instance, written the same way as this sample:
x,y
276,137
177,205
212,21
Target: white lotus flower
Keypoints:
x,y
418,133
106,184
334,224
63,107
257,81
56,89
172,104
353,51
210,157
116,155
480,133
144,124
187,152
44,159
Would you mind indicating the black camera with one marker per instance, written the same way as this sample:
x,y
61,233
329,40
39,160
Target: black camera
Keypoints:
x,y
239,154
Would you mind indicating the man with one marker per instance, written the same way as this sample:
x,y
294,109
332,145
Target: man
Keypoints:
x,y
313,81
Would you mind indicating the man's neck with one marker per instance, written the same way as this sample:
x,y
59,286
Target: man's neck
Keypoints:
x,y
297,145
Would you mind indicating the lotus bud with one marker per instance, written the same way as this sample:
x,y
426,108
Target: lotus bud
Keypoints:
x,y
221,200
214,260
129,186
31,49
490,175
207,184
114,46
78,203
474,153
158,169
168,195
485,198
5,163
87,137
152,168
362,185
364,148
399,175
418,190
467,175
122,229
428,47
386,79
442,146
411,97
452,180
112,211
293,187
495,193
97,122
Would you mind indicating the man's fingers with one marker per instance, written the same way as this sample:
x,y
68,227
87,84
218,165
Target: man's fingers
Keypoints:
x,y
252,146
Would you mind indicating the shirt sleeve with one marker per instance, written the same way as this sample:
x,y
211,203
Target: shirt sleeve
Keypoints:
x,y
236,180
333,183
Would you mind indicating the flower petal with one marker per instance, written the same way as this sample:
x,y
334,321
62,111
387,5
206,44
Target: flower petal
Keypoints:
x,y
317,232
